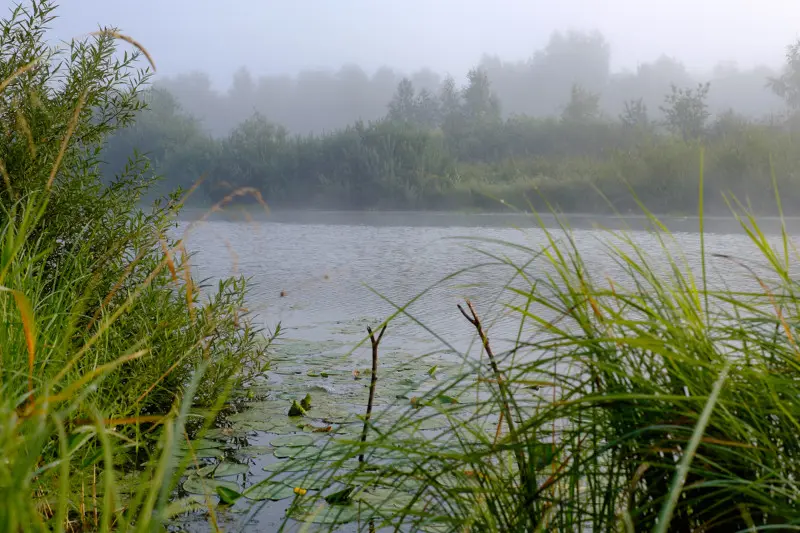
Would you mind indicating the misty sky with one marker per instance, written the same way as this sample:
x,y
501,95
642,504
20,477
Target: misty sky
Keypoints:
x,y
285,36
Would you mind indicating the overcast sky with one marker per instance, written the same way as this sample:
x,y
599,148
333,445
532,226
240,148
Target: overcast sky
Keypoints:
x,y
284,36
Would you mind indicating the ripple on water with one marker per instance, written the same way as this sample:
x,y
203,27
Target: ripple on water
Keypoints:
x,y
339,279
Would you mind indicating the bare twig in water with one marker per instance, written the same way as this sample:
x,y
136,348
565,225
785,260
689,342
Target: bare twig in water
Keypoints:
x,y
372,383
476,322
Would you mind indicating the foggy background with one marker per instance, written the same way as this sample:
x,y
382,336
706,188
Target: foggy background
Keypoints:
x,y
314,65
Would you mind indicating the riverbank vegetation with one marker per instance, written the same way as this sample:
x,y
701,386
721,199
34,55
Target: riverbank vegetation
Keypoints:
x,y
106,335
457,147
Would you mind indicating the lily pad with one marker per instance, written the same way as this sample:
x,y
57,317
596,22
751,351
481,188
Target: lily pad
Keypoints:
x,y
287,452
223,470
341,497
254,451
307,480
292,441
199,485
321,513
303,465
185,505
269,490
382,497
228,496
287,466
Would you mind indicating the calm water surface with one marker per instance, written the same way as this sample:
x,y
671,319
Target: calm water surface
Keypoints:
x,y
357,271
340,272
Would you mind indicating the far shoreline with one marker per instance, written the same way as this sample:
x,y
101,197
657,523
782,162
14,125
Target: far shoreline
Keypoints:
x,y
686,224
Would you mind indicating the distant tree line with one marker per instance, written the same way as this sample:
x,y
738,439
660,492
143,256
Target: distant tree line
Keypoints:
x,y
436,145
321,101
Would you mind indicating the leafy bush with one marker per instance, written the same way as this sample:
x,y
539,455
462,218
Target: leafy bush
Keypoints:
x,y
106,334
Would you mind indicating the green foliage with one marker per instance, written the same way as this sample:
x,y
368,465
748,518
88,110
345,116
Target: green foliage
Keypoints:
x,y
403,107
453,150
686,111
787,85
583,106
170,140
480,104
106,335
635,115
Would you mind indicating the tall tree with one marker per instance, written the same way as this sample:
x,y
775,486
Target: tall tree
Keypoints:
x,y
569,58
787,85
686,111
449,98
427,109
634,114
480,103
403,107
583,106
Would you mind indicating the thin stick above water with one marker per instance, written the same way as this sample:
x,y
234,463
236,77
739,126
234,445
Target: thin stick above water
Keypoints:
x,y
372,383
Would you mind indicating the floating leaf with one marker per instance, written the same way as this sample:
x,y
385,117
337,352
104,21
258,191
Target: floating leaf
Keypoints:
x,y
432,371
223,469
286,466
294,452
388,498
318,513
292,441
269,490
317,429
254,451
227,495
184,505
443,398
199,485
342,497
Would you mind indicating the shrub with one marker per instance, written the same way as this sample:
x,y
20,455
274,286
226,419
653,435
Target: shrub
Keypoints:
x,y
105,333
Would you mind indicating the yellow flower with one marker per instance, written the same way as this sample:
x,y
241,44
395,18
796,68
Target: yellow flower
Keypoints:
x,y
300,491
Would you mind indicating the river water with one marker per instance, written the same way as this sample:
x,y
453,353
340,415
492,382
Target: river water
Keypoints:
x,y
326,276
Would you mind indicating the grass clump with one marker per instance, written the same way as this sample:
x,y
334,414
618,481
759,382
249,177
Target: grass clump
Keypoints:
x,y
105,334
657,397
